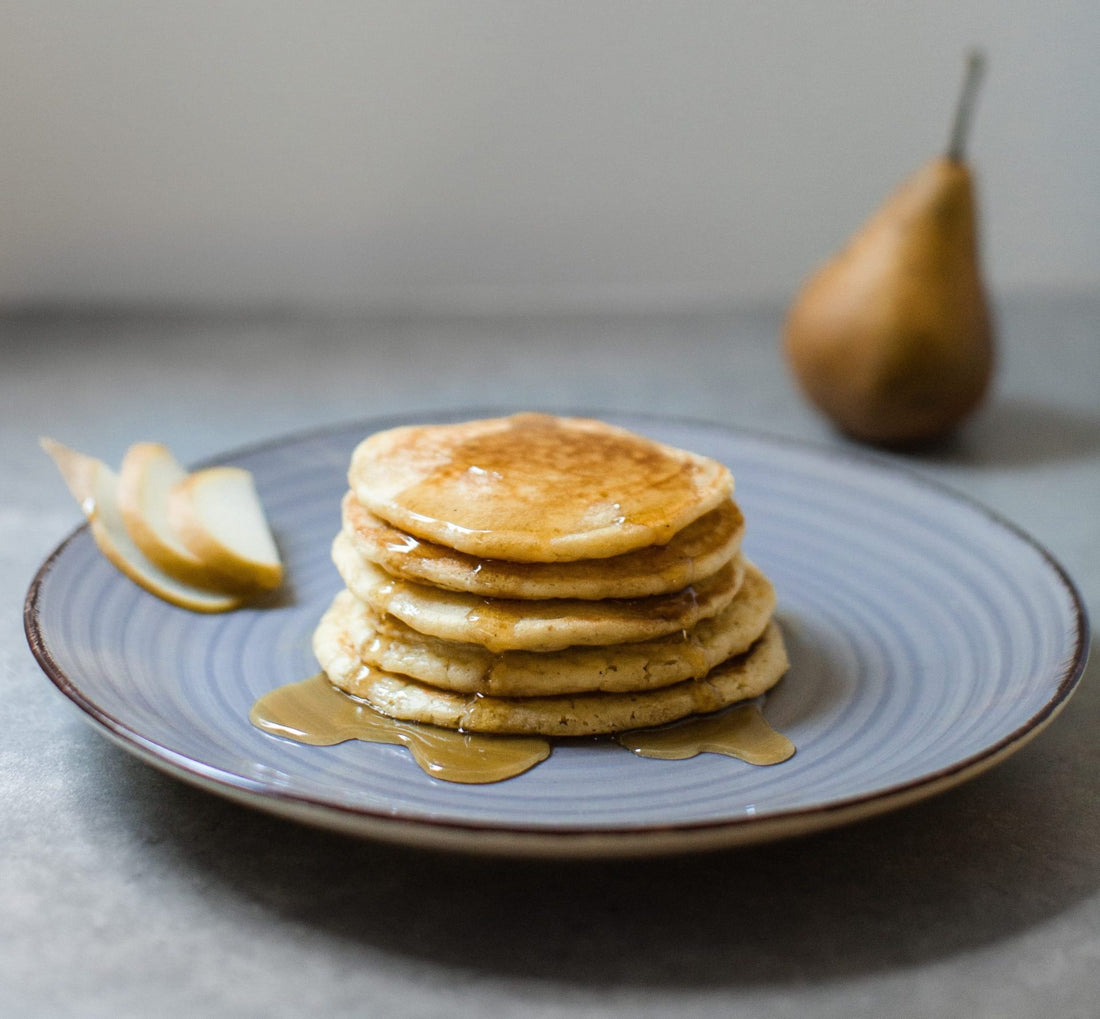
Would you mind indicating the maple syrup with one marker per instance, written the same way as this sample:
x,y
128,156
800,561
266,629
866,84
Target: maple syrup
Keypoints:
x,y
314,712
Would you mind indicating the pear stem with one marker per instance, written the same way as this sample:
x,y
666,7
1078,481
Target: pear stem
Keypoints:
x,y
975,65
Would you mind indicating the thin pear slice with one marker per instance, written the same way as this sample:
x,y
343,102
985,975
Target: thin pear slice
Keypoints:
x,y
94,485
148,474
217,514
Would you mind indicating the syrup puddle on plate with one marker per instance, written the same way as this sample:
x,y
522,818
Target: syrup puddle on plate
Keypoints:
x,y
315,712
738,731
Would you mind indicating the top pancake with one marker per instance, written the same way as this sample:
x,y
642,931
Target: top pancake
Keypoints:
x,y
534,488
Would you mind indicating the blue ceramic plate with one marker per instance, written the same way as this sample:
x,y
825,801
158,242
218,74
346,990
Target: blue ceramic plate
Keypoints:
x,y
928,639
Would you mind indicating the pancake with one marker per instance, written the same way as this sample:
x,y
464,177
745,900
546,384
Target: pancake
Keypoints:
x,y
697,551
546,576
504,624
533,487
739,678
383,642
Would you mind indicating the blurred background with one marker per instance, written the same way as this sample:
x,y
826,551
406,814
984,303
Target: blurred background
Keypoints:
x,y
483,154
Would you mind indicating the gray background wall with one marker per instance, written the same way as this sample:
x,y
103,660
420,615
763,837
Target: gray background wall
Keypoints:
x,y
529,154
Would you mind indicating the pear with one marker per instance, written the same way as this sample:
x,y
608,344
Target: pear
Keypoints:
x,y
217,514
200,541
892,339
95,486
146,478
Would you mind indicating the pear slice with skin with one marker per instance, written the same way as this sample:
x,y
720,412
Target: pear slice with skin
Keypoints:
x,y
217,514
95,486
146,478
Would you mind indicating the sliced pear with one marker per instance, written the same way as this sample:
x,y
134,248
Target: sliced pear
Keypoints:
x,y
148,474
218,516
95,486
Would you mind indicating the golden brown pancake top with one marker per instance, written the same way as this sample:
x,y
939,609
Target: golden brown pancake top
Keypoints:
x,y
534,487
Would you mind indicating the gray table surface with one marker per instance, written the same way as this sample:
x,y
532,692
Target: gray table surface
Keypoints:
x,y
124,892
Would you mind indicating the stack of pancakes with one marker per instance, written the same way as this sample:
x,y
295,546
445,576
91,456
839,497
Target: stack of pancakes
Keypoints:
x,y
544,575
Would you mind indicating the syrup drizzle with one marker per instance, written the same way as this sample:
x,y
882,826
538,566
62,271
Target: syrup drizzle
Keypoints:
x,y
314,712
739,731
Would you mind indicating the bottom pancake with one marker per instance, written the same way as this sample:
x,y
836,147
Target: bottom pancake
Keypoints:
x,y
739,678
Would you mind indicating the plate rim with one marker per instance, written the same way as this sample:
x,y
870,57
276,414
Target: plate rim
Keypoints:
x,y
575,841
